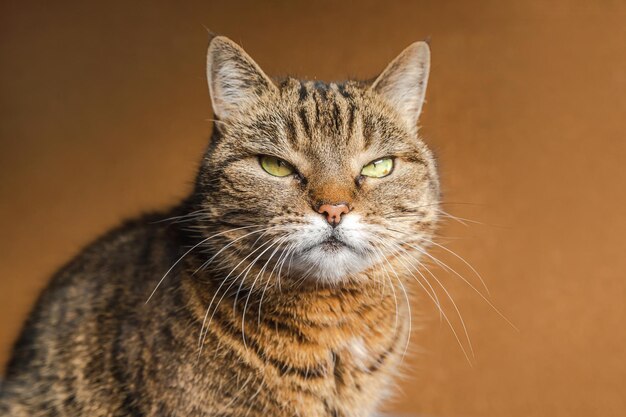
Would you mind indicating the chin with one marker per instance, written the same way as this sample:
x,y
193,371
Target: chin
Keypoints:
x,y
330,264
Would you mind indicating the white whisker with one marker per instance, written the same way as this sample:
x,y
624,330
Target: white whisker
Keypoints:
x,y
187,253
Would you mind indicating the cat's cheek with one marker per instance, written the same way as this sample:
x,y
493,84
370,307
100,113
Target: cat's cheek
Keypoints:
x,y
354,231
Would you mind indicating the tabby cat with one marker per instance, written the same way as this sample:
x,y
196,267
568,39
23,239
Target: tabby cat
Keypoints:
x,y
277,288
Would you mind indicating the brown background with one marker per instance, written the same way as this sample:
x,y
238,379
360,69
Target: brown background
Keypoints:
x,y
104,114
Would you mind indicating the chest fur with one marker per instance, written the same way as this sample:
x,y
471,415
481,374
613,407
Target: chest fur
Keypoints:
x,y
333,358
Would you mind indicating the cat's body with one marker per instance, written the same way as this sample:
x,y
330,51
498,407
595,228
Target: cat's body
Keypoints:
x,y
102,350
249,312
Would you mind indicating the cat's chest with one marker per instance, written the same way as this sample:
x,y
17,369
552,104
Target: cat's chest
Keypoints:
x,y
354,357
353,384
304,365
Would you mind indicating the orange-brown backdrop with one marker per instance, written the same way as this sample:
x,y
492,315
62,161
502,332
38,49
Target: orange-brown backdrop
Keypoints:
x,y
104,114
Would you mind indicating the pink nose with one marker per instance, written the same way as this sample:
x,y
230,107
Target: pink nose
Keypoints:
x,y
333,212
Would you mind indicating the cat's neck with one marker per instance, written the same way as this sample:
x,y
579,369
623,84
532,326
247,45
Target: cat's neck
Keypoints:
x,y
338,312
339,344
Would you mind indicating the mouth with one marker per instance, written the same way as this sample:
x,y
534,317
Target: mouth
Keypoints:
x,y
332,256
332,244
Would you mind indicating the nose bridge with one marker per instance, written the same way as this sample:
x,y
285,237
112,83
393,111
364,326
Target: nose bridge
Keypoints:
x,y
332,182
331,191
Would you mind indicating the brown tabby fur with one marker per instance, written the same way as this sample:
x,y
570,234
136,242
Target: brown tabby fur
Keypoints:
x,y
236,327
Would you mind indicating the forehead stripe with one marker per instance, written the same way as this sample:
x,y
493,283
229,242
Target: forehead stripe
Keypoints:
x,y
304,120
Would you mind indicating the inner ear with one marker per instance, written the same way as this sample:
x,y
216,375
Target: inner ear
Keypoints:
x,y
235,80
403,82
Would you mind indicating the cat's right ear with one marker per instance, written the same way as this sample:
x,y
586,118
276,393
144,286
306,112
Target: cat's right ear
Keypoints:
x,y
235,80
403,82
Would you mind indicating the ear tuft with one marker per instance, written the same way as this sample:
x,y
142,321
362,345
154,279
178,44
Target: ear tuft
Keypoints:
x,y
403,82
235,80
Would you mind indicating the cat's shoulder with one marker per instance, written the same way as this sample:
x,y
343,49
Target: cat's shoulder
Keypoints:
x,y
125,250
131,235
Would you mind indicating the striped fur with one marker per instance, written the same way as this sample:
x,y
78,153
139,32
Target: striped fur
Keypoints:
x,y
241,319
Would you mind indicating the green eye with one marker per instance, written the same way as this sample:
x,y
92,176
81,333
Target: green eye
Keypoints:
x,y
378,169
276,167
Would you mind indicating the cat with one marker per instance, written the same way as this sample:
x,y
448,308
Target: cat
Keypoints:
x,y
277,288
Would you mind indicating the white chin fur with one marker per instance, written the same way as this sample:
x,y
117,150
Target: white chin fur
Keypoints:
x,y
315,261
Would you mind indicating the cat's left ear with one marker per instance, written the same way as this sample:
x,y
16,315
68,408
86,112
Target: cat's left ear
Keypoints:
x,y
235,80
403,82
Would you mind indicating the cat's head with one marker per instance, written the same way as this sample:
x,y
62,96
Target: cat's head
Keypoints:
x,y
318,181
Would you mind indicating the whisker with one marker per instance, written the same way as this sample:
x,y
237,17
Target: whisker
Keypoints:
x,y
461,259
269,279
449,251
447,319
259,274
384,258
408,305
280,269
416,269
458,219
190,216
187,253
203,333
243,279
456,308
452,270
206,263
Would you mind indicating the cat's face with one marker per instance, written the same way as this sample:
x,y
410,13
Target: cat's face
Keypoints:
x,y
329,179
